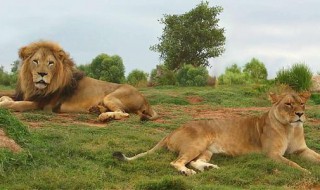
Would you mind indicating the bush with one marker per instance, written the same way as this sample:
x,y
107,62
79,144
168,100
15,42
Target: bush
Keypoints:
x,y
107,68
7,79
137,78
233,78
192,76
162,76
298,77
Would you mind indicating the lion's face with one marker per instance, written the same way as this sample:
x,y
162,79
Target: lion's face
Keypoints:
x,y
45,68
42,65
290,108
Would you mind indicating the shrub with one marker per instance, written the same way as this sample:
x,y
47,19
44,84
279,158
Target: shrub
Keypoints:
x,y
298,77
137,78
233,78
162,76
189,75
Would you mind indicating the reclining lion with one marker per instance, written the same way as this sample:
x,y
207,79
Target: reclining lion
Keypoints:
x,y
275,133
49,80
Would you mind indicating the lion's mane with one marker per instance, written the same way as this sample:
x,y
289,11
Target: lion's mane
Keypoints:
x,y
64,81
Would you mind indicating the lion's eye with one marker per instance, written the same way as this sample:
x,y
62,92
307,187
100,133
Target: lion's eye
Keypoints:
x,y
35,61
288,104
302,104
50,63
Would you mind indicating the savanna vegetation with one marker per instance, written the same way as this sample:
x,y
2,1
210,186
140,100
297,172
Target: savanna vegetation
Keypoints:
x,y
74,151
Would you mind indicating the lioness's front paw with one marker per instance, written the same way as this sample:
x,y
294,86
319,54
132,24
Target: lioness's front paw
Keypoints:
x,y
187,172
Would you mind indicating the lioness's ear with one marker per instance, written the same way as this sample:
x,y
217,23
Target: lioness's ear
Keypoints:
x,y
273,97
24,52
305,95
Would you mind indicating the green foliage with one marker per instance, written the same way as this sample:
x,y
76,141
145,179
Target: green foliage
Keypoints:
x,y
233,75
191,38
298,77
256,70
7,79
189,75
162,76
108,68
86,69
137,78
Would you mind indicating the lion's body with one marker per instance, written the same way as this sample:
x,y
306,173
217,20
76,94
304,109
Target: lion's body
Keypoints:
x,y
275,133
49,80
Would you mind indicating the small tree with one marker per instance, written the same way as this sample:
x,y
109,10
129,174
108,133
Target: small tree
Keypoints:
x,y
256,70
298,77
137,78
192,76
233,75
108,68
191,38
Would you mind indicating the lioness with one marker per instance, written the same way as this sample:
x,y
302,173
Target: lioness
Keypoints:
x,y
275,133
49,80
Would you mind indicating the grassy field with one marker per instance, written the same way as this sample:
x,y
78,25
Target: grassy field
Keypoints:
x,y
74,151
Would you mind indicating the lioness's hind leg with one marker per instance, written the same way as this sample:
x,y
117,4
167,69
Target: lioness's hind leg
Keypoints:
x,y
202,162
183,159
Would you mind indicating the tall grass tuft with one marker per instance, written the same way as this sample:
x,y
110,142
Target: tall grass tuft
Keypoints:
x,y
298,77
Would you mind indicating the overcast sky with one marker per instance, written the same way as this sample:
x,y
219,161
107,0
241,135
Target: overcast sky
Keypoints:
x,y
278,33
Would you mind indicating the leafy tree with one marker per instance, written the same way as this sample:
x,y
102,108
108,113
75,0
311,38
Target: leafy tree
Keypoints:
x,y
108,68
256,70
298,77
234,68
137,78
189,75
191,38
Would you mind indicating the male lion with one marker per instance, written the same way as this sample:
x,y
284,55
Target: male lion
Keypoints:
x,y
275,133
49,80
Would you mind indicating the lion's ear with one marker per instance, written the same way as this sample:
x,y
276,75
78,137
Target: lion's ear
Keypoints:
x,y
25,52
305,95
274,98
64,58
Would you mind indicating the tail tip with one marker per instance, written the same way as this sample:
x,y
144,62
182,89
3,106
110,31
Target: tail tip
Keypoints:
x,y
119,156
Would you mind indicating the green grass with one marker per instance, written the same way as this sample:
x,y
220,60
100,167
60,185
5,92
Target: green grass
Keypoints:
x,y
63,155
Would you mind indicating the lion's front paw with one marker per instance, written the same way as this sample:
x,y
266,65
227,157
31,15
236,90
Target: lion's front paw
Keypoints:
x,y
6,99
112,115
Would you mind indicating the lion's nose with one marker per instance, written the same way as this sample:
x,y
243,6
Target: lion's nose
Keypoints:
x,y
299,114
42,74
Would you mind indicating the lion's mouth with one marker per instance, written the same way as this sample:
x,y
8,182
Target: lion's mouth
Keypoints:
x,y
298,121
41,84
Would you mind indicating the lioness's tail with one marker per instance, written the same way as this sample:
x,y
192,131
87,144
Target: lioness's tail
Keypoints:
x,y
121,156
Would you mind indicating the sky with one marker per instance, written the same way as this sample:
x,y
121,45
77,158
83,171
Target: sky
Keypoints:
x,y
278,33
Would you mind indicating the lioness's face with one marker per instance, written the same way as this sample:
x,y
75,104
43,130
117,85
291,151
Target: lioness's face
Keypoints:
x,y
42,64
290,108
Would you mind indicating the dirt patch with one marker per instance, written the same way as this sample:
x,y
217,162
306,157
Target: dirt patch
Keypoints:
x,y
194,99
6,142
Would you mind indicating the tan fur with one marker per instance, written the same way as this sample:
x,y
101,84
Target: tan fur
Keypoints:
x,y
275,133
49,80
